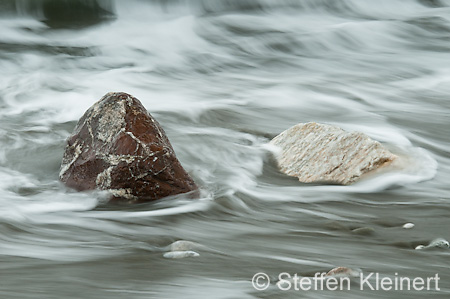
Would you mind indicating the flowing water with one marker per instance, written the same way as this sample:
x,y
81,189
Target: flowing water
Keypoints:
x,y
223,78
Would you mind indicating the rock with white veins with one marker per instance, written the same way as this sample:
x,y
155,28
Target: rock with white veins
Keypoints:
x,y
319,153
118,146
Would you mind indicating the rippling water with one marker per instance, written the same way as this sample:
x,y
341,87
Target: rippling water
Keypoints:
x,y
223,78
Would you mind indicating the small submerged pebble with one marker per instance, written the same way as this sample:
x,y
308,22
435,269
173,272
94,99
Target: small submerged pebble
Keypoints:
x,y
343,271
439,243
182,245
408,225
322,276
180,254
436,243
182,249
364,231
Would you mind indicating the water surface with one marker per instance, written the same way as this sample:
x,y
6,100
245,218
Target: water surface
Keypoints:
x,y
223,78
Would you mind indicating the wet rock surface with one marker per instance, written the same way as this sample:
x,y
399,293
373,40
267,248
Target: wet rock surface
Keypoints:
x,y
319,153
118,146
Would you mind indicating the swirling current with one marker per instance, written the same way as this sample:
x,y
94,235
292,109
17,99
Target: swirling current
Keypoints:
x,y
223,77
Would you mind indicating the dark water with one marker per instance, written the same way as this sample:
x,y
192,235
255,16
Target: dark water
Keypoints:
x,y
223,78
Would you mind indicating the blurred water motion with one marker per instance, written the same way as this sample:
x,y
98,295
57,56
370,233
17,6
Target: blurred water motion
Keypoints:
x,y
223,78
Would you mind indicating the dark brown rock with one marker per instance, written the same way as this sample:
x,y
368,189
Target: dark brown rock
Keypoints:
x,y
118,146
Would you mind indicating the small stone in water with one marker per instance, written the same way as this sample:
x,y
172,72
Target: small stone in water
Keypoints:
x,y
342,271
436,243
408,225
364,231
180,254
182,245
439,243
